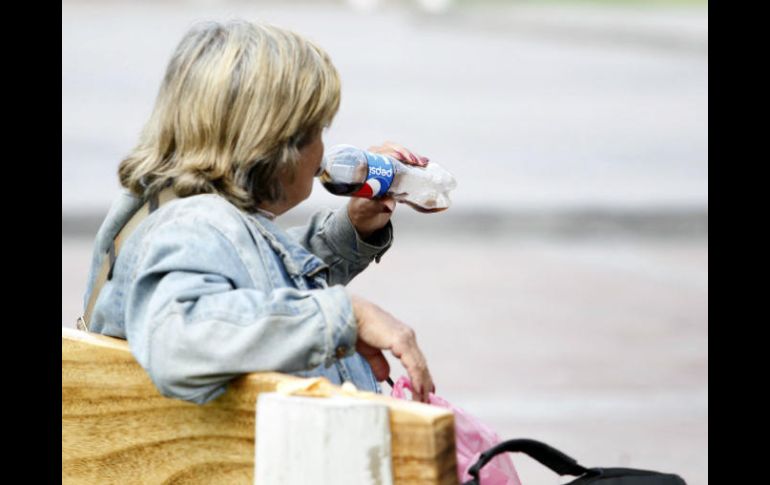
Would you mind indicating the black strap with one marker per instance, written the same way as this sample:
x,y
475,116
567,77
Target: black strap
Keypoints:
x,y
548,456
108,263
111,254
154,203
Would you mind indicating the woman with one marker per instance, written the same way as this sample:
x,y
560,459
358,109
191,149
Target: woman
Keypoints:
x,y
206,287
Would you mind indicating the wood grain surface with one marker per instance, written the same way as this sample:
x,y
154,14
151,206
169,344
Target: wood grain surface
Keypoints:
x,y
117,428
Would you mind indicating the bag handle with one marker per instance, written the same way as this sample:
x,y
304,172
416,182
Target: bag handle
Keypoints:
x,y
546,455
108,262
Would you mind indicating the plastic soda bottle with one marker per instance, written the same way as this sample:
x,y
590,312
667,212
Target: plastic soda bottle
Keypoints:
x,y
351,171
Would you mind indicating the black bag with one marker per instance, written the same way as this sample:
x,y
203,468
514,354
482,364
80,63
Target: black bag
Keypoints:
x,y
564,465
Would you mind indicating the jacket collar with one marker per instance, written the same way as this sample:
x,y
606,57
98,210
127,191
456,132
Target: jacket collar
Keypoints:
x,y
297,260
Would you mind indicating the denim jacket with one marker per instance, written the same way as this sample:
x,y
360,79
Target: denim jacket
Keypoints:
x,y
205,292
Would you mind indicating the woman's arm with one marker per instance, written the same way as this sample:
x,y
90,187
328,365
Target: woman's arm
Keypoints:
x,y
195,320
331,236
349,238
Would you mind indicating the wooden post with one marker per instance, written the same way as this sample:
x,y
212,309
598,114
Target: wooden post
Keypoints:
x,y
339,440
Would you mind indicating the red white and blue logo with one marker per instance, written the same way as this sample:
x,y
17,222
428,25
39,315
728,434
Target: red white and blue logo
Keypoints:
x,y
380,176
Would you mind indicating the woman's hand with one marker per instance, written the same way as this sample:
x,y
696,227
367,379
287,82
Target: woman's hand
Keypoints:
x,y
399,152
370,215
378,330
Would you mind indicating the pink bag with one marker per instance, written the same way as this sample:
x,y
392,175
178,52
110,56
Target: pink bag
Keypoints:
x,y
471,439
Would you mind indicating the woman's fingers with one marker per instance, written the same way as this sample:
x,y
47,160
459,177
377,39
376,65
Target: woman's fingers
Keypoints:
x,y
388,204
366,208
401,153
370,215
406,349
405,153
422,382
377,329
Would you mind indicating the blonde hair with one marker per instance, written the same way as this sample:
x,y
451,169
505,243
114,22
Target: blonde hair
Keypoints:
x,y
237,103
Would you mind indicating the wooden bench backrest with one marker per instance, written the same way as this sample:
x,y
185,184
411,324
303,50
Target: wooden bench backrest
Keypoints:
x,y
117,428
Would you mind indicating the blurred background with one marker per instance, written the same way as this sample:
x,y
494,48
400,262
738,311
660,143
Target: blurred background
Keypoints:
x,y
564,295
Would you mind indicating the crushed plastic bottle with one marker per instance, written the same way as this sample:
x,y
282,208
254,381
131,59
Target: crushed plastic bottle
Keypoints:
x,y
348,170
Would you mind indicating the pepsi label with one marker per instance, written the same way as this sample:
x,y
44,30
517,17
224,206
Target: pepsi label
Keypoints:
x,y
379,178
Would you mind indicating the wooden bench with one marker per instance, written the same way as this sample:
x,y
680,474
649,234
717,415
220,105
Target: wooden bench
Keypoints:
x,y
117,428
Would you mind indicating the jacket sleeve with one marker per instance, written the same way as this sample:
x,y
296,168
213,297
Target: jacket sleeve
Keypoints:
x,y
331,236
195,321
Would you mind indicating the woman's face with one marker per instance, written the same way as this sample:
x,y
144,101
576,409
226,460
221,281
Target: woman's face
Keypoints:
x,y
299,189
